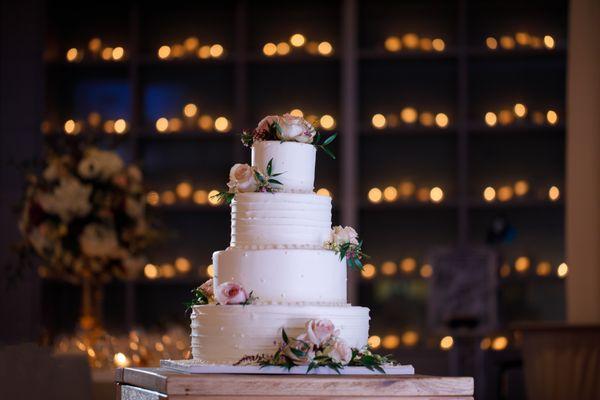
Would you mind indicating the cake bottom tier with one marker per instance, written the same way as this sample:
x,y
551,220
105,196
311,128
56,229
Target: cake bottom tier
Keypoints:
x,y
224,334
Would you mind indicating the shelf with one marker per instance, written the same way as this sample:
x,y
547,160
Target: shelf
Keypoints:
x,y
482,52
380,54
516,128
87,64
515,204
408,205
291,59
407,130
153,61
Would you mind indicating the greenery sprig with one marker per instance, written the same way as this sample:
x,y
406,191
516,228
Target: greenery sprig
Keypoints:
x,y
199,298
353,254
323,144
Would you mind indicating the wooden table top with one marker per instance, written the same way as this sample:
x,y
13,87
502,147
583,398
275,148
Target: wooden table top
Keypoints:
x,y
158,383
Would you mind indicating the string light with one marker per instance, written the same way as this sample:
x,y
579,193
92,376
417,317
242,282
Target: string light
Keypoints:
x,y
69,127
389,268
522,38
204,52
441,120
109,126
151,271
200,197
94,45
390,341
190,110
408,265
426,271
167,271
164,52
410,338
423,194
312,48
216,50
485,343
177,50
552,117
222,124
205,122
436,194
153,198
505,193
505,117
426,44
563,270
549,42
269,49
522,264
374,341
175,124
325,48
327,122
213,198
520,110
521,187
410,40
324,192
184,190
393,44
210,271
438,45
408,115
504,270
446,343
427,119
118,53
296,112
489,194
120,126
283,48
538,117
368,271
543,268
375,195
168,197
183,265
507,42
491,43
297,40
107,53
378,121
191,43
390,193
162,124
553,193
94,119
491,119
499,343
72,54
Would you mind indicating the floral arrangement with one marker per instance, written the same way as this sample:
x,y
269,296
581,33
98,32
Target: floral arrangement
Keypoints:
x,y
244,178
318,346
287,128
84,216
225,294
344,241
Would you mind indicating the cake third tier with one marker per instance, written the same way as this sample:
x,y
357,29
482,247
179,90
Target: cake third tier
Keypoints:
x,y
280,220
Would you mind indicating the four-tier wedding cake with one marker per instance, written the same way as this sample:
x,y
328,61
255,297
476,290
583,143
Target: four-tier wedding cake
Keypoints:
x,y
285,268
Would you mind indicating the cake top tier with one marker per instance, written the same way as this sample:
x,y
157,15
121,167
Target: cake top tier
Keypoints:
x,y
295,161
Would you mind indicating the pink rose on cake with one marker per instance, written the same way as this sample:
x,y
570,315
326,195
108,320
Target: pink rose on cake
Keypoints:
x,y
230,293
242,179
318,331
207,288
339,351
265,124
343,234
295,129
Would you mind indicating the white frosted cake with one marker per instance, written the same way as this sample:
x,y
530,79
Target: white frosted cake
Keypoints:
x,y
277,255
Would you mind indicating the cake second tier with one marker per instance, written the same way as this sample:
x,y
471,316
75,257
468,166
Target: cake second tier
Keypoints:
x,y
285,275
280,220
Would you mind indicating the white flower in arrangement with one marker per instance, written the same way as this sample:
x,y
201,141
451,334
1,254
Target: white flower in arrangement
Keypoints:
x,y
318,331
99,241
343,234
242,179
68,200
339,351
295,129
100,164
230,293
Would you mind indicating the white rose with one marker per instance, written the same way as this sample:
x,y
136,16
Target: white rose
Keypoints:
x,y
100,164
318,331
99,241
295,129
242,179
68,200
339,351
341,235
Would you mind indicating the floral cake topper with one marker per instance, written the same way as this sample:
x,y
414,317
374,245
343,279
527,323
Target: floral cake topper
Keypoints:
x,y
288,128
344,241
319,345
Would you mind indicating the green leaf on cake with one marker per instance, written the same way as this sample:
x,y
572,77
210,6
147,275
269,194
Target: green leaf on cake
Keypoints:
x,y
284,336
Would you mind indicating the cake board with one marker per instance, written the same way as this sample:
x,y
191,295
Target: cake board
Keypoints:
x,y
199,367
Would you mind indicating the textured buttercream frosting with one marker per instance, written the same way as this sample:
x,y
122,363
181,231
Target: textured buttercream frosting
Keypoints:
x,y
285,275
280,219
224,334
295,161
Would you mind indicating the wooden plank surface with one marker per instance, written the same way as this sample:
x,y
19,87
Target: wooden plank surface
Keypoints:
x,y
198,386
